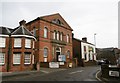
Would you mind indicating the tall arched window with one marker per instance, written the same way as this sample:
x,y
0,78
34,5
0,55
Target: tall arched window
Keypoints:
x,y
68,38
45,52
68,54
54,35
58,35
61,36
45,32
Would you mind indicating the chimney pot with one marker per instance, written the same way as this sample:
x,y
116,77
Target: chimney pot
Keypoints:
x,y
84,39
23,22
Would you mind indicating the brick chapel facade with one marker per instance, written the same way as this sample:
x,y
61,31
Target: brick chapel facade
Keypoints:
x,y
54,38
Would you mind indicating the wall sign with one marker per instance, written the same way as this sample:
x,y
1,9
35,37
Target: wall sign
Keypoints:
x,y
53,64
62,58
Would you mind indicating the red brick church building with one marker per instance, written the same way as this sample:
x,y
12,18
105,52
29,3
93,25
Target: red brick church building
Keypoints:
x,y
54,38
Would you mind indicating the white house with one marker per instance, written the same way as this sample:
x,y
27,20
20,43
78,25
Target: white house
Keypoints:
x,y
88,50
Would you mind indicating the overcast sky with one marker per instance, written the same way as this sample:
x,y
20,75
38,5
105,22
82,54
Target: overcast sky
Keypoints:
x,y
86,17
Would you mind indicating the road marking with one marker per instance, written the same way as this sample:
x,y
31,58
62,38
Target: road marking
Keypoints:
x,y
97,76
44,71
76,72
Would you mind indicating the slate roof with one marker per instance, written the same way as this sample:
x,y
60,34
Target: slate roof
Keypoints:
x,y
5,30
83,41
21,30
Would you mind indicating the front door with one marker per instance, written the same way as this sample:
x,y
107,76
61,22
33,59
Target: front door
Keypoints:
x,y
57,54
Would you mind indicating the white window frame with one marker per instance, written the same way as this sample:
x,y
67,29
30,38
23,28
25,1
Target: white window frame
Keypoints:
x,y
2,42
27,43
45,32
16,58
2,58
27,58
17,42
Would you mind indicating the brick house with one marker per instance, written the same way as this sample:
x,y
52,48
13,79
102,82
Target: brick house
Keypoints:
x,y
4,45
54,39
84,52
17,53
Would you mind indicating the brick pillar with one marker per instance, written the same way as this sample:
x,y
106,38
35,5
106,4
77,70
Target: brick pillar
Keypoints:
x,y
105,70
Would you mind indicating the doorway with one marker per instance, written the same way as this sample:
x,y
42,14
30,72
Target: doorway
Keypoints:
x,y
58,52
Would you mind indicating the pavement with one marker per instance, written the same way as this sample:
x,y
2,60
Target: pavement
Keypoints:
x,y
42,71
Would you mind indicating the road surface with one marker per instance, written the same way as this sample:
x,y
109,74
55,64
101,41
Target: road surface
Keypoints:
x,y
70,74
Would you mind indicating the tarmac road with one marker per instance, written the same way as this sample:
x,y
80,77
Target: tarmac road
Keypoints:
x,y
70,74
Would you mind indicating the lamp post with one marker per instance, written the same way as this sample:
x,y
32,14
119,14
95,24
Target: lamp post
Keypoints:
x,y
95,39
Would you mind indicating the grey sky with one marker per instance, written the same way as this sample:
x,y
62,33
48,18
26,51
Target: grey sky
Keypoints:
x,y
86,17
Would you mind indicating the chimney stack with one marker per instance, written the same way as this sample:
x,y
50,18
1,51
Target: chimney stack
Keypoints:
x,y
84,39
23,22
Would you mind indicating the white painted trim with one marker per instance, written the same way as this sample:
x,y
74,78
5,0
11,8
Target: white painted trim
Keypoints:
x,y
4,35
23,36
4,58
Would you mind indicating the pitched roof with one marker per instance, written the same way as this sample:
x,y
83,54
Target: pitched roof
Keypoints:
x,y
57,16
83,41
5,30
21,30
51,18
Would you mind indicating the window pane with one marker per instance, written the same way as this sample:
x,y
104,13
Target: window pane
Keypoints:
x,y
68,54
61,37
2,58
16,58
17,42
27,43
57,35
27,59
45,32
67,38
2,42
45,52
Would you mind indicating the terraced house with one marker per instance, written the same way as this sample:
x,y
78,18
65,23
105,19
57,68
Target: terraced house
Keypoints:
x,y
54,39
16,49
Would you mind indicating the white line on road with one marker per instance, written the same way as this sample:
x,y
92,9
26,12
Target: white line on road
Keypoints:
x,y
76,72
44,71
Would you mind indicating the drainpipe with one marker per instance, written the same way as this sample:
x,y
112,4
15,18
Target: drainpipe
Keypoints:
x,y
9,53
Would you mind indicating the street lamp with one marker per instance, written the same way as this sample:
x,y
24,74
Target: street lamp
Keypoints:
x,y
95,39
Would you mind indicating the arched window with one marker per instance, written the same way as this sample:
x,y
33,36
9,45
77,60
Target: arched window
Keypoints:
x,y
54,35
61,36
45,32
68,54
45,52
68,38
58,35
